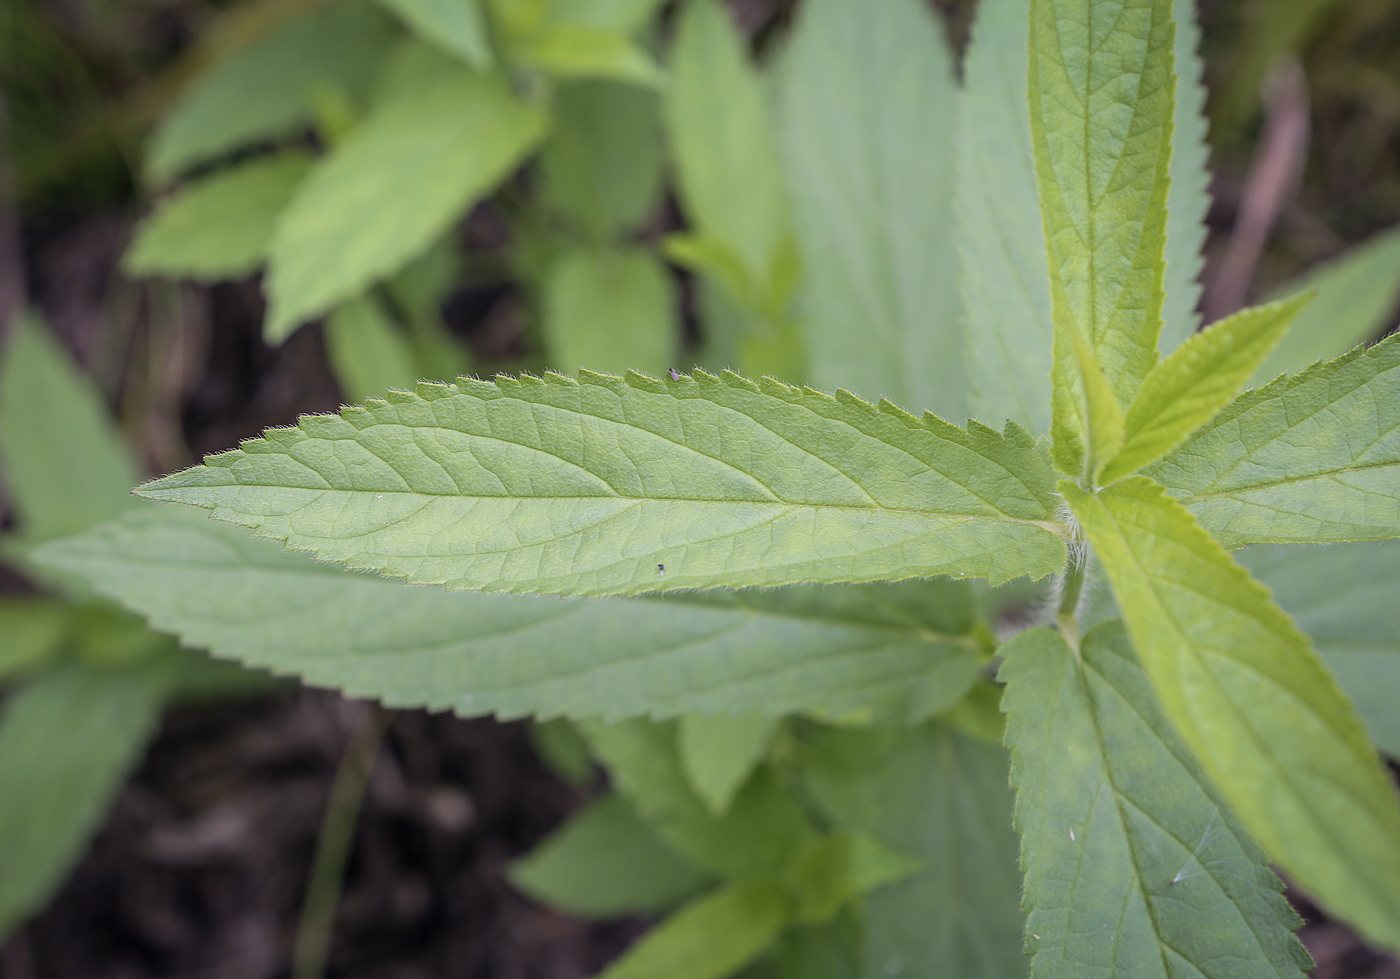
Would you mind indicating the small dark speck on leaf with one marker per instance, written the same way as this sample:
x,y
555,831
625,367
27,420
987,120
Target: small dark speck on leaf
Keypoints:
x,y
661,569
675,375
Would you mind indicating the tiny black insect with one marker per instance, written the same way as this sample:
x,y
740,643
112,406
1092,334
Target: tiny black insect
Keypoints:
x,y
661,569
675,375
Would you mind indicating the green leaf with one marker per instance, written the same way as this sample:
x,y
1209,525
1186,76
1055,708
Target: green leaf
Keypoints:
x,y
1343,596
841,867
52,426
621,16
836,649
367,351
932,793
1251,699
1189,388
1188,199
1000,240
606,485
610,310
32,630
719,752
67,739
602,162
1101,102
218,227
606,863
762,832
723,143
711,938
563,749
454,25
1102,418
267,90
391,188
865,113
1314,457
1134,865
576,50
1356,294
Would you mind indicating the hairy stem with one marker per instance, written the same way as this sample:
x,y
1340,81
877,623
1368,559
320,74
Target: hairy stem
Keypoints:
x,y
313,939
1071,588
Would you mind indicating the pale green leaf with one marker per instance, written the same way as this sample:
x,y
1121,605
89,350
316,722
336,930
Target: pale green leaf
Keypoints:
x,y
610,310
710,938
368,353
218,227
899,648
602,162
1343,596
1251,699
939,796
1356,295
1199,378
1188,199
841,867
606,863
723,142
719,751
607,485
32,629
454,25
67,739
1101,103
391,188
267,90
1314,457
865,114
620,16
1000,239
53,427
1134,864
578,50
762,832
1102,418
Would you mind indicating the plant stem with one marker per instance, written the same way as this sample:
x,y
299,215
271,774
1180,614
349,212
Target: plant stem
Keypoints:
x,y
1071,588
314,931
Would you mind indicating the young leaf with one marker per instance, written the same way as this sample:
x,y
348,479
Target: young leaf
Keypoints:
x,y
67,739
606,485
391,188
610,311
1343,596
52,426
266,91
1314,457
1134,865
841,867
1251,699
710,939
1102,418
1356,294
723,142
833,649
455,25
865,115
1189,388
1188,198
602,162
218,227
606,863
719,752
1101,102
368,353
1000,239
943,798
762,832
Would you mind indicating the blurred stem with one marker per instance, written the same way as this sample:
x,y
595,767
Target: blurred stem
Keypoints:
x,y
1071,588
317,923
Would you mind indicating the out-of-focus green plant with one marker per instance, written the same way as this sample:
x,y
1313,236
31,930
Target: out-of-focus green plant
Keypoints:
x,y
797,711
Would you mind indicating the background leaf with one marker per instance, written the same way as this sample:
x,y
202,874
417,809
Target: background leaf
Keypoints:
x,y
605,862
1250,698
606,485
610,310
455,25
1134,864
865,113
32,629
835,649
367,351
218,227
719,752
1313,457
391,188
